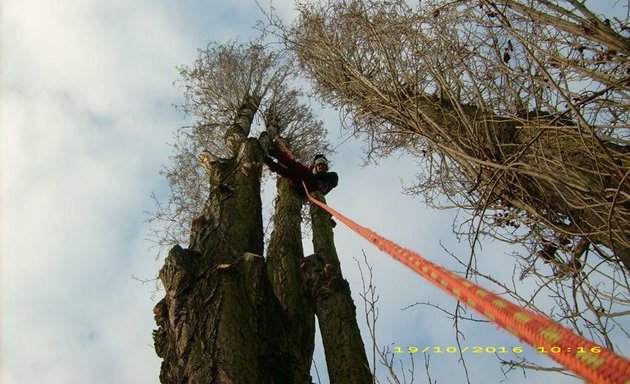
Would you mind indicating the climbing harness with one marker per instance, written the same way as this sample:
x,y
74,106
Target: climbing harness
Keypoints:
x,y
593,362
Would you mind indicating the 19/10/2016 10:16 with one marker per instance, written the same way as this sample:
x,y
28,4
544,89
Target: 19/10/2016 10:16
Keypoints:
x,y
454,349
494,349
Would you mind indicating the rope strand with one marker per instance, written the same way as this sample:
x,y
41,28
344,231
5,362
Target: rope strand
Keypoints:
x,y
589,360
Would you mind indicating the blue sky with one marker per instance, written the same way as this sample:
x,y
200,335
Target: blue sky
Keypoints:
x,y
85,113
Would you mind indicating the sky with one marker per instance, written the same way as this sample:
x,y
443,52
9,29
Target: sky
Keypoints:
x,y
86,115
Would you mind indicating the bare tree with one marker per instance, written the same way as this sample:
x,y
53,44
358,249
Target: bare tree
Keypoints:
x,y
517,112
215,88
229,315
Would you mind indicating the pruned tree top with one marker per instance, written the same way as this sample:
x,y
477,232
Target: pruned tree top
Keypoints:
x,y
223,79
224,76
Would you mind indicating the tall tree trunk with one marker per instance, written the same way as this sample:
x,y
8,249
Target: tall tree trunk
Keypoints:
x,y
284,258
220,321
229,316
335,310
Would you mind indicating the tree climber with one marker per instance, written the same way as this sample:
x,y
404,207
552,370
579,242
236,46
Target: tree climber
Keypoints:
x,y
316,177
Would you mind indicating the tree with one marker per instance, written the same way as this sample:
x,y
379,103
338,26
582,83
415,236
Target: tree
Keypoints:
x,y
229,315
517,112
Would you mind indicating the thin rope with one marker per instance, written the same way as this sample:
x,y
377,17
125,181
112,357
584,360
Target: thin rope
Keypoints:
x,y
343,142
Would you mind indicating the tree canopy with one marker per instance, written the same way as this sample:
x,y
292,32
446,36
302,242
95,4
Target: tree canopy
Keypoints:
x,y
517,114
215,86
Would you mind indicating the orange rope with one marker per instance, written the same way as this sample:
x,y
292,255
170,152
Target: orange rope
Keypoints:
x,y
284,146
587,359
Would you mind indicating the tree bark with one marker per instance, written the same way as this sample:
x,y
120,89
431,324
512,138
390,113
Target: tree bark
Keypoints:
x,y
220,321
229,316
219,324
334,307
284,258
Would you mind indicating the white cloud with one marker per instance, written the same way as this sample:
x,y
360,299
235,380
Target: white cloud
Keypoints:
x,y
86,111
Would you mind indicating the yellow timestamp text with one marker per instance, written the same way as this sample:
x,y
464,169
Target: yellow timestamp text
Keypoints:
x,y
577,350
453,349
493,349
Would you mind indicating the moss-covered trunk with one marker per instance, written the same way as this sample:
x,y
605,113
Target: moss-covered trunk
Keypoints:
x,y
336,314
229,315
220,321
284,260
219,324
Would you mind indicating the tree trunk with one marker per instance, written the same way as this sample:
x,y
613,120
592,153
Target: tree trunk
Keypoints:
x,y
219,324
335,310
229,316
220,321
284,258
